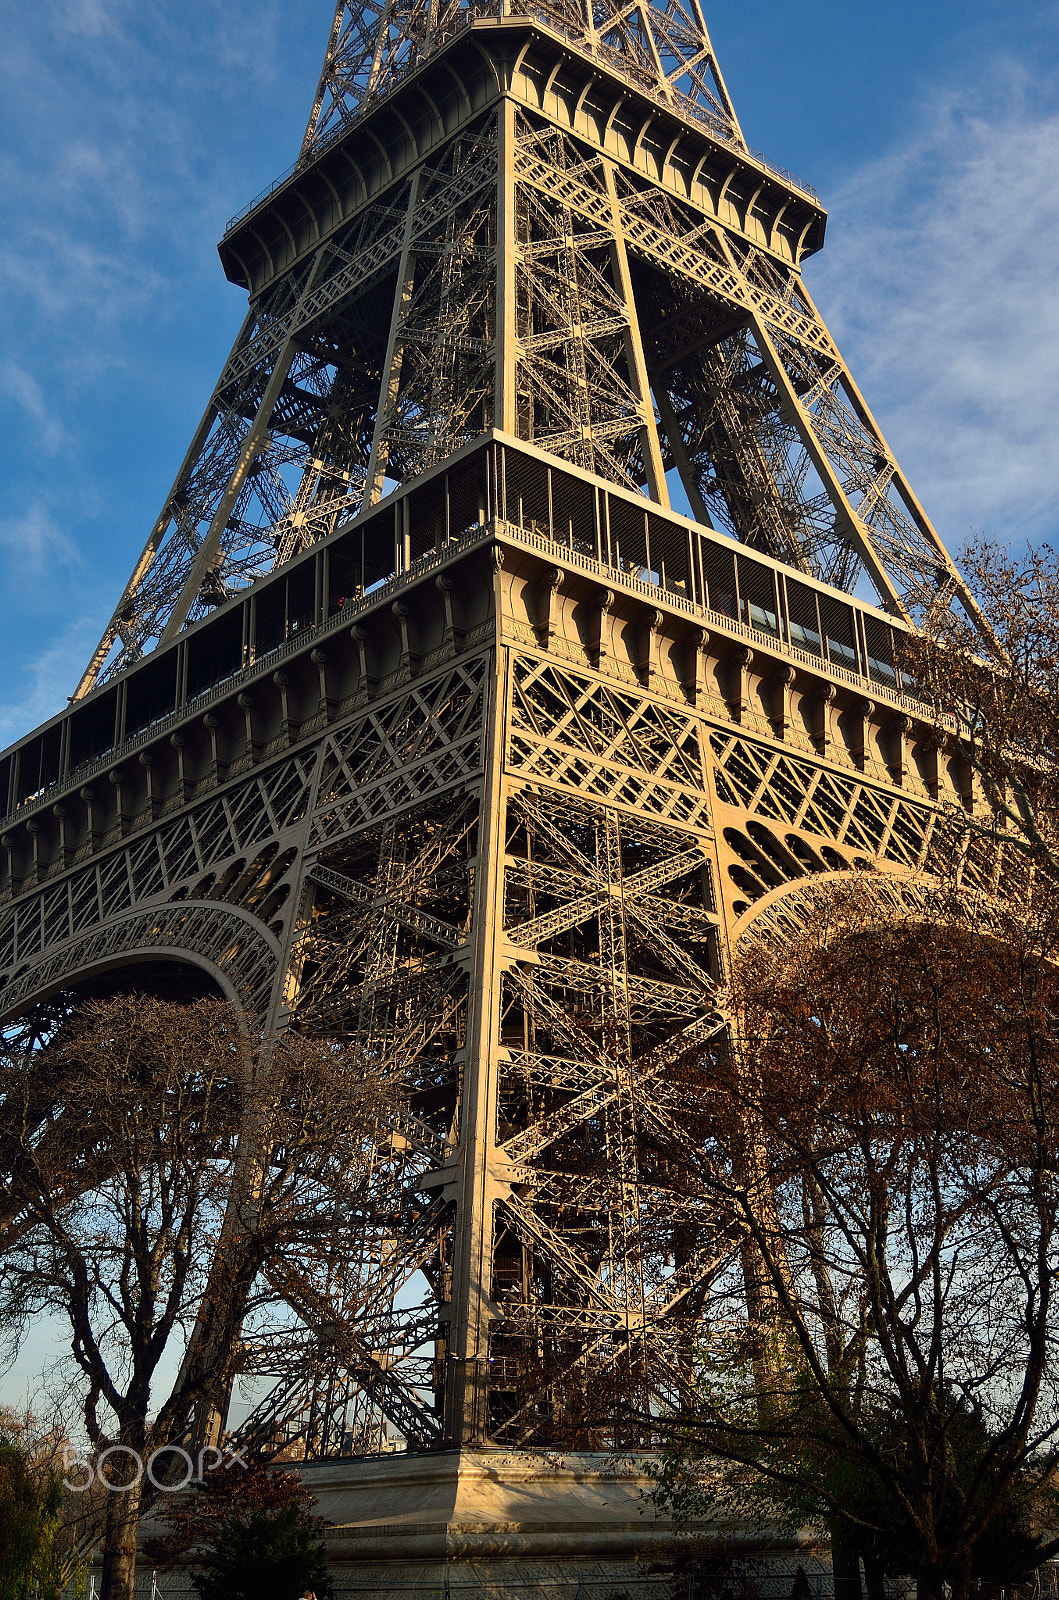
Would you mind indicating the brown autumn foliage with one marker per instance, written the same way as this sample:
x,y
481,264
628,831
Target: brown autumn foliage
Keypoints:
x,y
32,1110
883,1126
182,1156
1003,694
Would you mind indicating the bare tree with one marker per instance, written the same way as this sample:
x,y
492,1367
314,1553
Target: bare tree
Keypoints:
x,y
33,1116
883,1126
1004,703
206,1152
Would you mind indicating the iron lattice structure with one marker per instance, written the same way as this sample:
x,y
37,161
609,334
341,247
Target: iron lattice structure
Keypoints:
x,y
426,722
543,221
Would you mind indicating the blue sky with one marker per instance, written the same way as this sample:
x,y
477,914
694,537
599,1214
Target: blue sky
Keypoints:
x,y
129,133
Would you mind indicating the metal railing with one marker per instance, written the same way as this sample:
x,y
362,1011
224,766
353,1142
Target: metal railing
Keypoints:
x,y
671,98
395,585
869,687
299,641
691,1583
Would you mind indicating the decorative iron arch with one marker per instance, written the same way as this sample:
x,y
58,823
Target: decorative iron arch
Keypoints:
x,y
240,955
782,914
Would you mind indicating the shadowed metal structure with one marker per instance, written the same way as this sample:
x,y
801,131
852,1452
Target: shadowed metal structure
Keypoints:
x,y
544,220
425,721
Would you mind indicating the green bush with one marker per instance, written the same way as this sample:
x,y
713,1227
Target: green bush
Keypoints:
x,y
30,1501
266,1557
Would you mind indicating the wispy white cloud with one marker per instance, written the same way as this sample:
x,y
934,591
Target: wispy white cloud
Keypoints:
x,y
88,18
110,161
40,687
33,545
940,280
54,274
22,387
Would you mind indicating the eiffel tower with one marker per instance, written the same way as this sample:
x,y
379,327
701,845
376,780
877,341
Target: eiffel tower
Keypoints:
x,y
426,719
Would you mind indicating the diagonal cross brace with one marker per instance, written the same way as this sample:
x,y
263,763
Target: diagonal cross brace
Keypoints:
x,y
410,917
563,917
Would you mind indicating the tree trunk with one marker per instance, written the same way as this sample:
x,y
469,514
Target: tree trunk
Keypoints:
x,y
845,1563
873,1578
960,1580
118,1578
930,1586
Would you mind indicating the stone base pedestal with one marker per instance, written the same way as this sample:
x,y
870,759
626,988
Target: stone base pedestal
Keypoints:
x,y
510,1525
524,1524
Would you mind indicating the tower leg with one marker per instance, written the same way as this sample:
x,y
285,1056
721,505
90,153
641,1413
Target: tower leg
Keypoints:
x,y
477,1159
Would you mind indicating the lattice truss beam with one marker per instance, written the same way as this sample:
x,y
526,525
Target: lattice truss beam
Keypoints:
x,y
757,410
637,335
602,1273
600,1277
380,963
316,403
664,48
842,823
